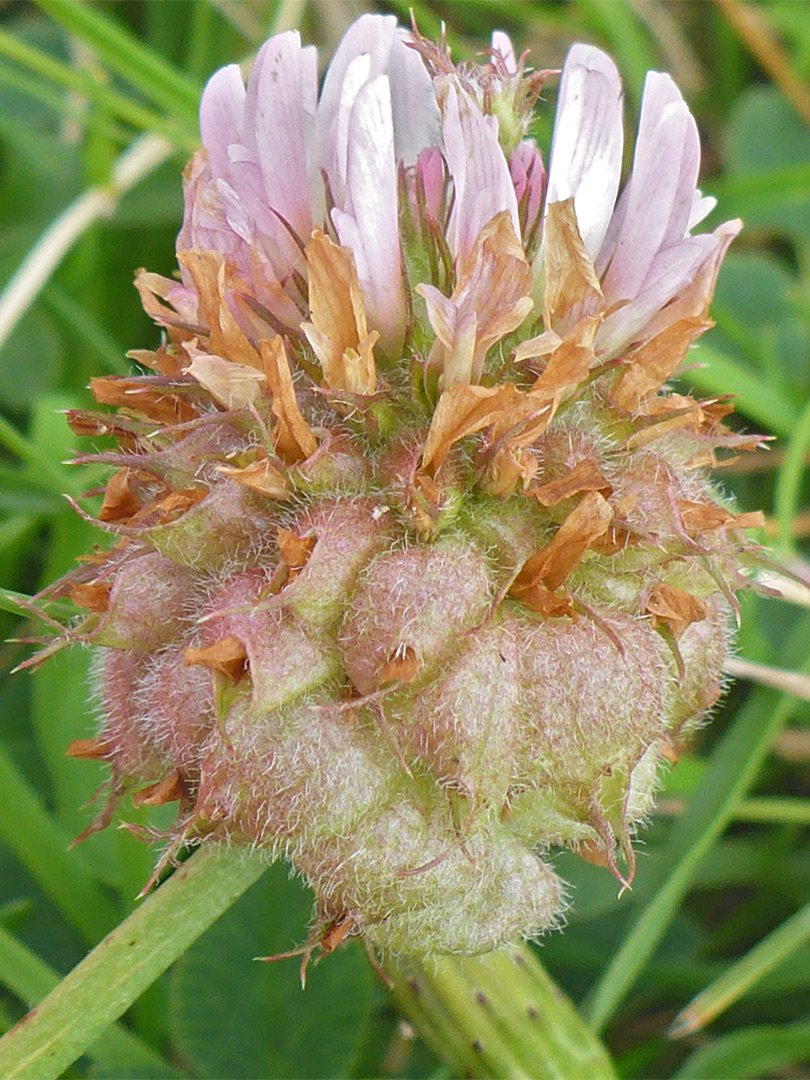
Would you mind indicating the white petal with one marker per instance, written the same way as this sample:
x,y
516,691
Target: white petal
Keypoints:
x,y
369,225
586,149
502,44
482,184
417,123
702,206
370,35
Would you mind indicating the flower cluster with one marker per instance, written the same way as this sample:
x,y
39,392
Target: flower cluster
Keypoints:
x,y
417,574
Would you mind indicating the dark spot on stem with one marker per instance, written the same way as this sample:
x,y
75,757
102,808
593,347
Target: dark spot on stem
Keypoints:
x,y
476,1045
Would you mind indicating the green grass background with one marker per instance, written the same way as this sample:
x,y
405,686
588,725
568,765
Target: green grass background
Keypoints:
x,y
724,872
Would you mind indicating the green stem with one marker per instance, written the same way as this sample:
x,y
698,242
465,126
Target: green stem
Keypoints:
x,y
119,969
497,1015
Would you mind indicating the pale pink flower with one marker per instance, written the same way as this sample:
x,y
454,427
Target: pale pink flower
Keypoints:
x,y
279,162
641,245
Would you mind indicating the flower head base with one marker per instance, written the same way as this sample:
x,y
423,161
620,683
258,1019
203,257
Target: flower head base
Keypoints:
x,y
434,575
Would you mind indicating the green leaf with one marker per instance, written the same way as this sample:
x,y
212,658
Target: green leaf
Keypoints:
x,y
87,326
765,136
749,1053
31,360
755,313
233,1017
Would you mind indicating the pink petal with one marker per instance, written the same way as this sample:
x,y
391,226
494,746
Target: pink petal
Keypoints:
x,y
222,107
697,295
586,148
529,178
656,205
430,169
281,95
502,45
670,273
481,180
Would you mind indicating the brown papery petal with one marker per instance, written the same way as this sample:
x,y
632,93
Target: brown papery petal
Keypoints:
x,y
225,337
92,596
294,550
462,410
338,325
652,364
572,288
170,789
160,405
234,386
700,517
551,565
550,605
293,437
402,667
583,477
121,500
673,608
226,657
259,476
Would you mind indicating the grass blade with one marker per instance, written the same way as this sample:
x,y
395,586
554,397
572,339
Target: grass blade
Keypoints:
x,y
30,979
733,983
783,811
125,963
748,1054
40,844
755,398
790,477
99,95
122,53
137,161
